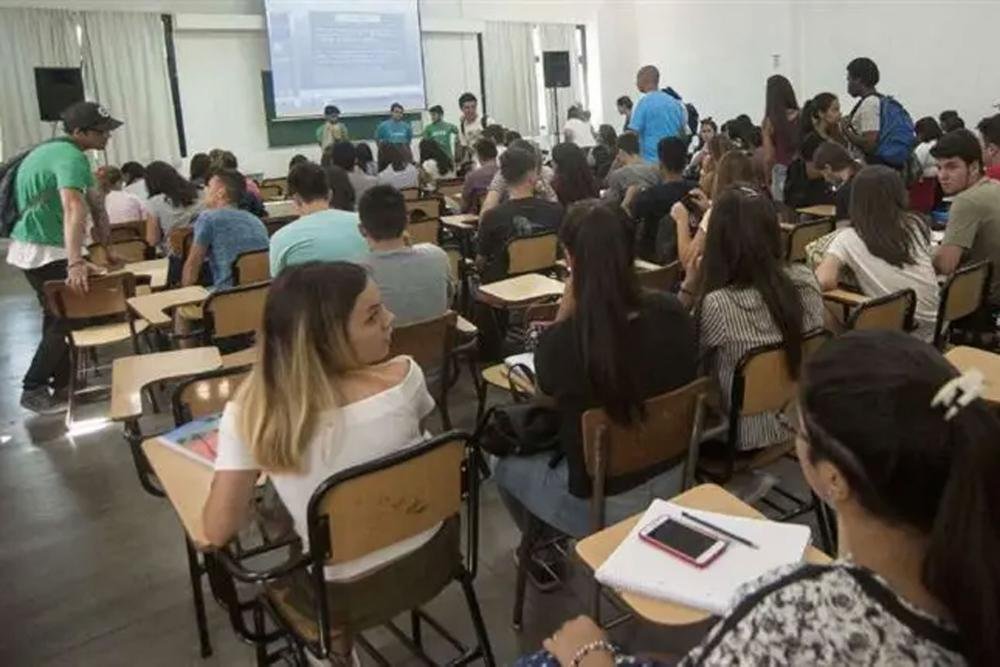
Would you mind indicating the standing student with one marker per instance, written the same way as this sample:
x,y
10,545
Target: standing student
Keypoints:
x,y
573,179
862,125
651,205
657,115
886,247
577,130
343,154
822,115
321,233
612,346
320,399
53,192
470,126
624,105
332,130
173,202
780,130
395,131
441,131
989,131
477,182
632,170
838,168
119,205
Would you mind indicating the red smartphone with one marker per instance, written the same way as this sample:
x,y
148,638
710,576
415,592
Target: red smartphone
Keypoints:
x,y
683,541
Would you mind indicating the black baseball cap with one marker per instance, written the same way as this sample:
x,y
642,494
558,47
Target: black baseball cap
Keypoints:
x,y
89,116
330,110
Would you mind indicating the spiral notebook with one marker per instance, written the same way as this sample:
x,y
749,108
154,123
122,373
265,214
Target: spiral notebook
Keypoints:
x,y
638,567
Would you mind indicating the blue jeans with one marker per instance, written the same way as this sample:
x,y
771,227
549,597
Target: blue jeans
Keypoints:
x,y
544,492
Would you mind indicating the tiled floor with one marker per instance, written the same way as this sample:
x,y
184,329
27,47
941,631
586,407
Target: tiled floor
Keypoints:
x,y
92,569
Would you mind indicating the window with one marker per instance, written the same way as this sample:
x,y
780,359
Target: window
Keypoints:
x,y
578,59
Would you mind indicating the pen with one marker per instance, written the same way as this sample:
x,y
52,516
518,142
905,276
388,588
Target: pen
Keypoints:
x,y
721,531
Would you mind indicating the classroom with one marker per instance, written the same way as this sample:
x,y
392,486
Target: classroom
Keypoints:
x,y
543,333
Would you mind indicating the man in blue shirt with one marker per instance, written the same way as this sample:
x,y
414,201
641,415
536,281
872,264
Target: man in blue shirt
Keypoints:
x,y
657,115
395,130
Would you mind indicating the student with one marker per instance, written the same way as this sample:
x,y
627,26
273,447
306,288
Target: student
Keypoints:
x,y
804,183
573,179
973,231
342,197
366,161
343,154
395,130
477,182
499,191
928,132
861,127
989,130
173,202
716,148
651,205
886,247
332,130
780,131
604,154
120,206
53,193
657,115
399,172
916,579
198,170
639,345
296,160
222,232
707,129
624,105
523,214
134,175
632,170
822,115
320,399
227,160
838,169
746,295
951,121
321,233
440,130
576,130
470,126
414,279
434,162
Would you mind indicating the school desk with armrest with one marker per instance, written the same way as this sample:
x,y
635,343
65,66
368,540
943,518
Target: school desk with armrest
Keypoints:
x,y
988,363
520,289
153,307
597,548
846,299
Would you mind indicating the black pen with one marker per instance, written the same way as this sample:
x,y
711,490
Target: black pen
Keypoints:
x,y
721,531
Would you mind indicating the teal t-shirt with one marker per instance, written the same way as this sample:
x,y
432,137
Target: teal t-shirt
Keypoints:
x,y
49,168
324,236
441,132
394,132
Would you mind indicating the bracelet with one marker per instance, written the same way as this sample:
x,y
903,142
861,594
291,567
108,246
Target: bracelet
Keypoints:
x,y
587,649
76,263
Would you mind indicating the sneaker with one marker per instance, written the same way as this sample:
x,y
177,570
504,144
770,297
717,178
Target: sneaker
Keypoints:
x,y
40,402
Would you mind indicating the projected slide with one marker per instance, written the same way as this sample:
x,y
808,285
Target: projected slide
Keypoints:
x,y
359,55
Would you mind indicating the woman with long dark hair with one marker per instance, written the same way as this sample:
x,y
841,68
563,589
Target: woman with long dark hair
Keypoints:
x,y
173,201
366,160
605,153
398,172
781,131
434,162
821,115
886,247
611,346
573,179
199,168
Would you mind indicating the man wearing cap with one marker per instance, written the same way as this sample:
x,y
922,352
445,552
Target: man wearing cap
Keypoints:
x,y
332,130
52,189
439,130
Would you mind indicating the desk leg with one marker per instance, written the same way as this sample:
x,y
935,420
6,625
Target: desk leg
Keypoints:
x,y
195,570
133,435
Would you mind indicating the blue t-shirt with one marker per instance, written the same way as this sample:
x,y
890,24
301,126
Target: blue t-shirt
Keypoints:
x,y
394,132
226,233
657,115
323,236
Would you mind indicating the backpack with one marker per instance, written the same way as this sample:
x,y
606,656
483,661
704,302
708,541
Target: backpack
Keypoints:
x,y
9,212
896,135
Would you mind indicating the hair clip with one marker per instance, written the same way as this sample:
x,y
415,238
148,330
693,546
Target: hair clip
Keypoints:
x,y
958,392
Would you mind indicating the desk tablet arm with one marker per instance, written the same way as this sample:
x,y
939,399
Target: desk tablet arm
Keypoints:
x,y
236,567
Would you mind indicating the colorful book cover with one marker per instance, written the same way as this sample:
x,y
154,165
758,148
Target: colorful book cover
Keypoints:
x,y
198,439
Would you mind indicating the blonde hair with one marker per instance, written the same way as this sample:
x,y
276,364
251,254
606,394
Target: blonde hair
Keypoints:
x,y
304,347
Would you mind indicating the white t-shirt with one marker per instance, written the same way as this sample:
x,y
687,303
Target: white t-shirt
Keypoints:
x,y
123,207
407,178
580,133
878,277
345,437
927,162
138,188
866,118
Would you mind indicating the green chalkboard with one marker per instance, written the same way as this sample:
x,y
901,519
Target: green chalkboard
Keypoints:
x,y
302,131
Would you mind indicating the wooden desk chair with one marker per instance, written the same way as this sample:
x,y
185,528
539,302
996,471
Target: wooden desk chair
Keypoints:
x,y
106,299
424,231
530,254
423,209
963,294
238,311
430,343
179,240
253,266
450,187
134,250
893,312
128,231
410,194
366,508
804,233
663,279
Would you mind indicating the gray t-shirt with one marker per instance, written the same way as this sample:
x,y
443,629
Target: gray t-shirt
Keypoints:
x,y
974,226
414,281
361,182
620,180
169,216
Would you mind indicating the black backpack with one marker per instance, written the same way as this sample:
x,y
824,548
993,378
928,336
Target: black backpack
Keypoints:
x,y
9,213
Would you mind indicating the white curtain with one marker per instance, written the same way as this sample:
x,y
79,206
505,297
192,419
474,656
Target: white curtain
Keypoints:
x,y
125,69
511,83
562,37
30,38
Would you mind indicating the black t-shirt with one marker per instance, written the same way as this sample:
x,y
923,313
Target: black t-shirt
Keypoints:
x,y
514,218
801,191
649,208
665,352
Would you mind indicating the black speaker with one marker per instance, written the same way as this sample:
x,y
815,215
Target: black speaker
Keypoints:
x,y
57,89
556,66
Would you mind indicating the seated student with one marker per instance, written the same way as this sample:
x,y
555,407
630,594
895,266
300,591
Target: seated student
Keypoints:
x,y
989,130
838,169
631,169
321,234
414,279
523,214
366,161
651,205
717,146
573,179
434,162
498,191
804,183
227,160
604,154
121,206
477,182
746,295
296,160
577,130
222,232
640,345
951,121
913,486
342,195
199,168
973,231
886,247
173,202
399,172
134,175
342,154
320,399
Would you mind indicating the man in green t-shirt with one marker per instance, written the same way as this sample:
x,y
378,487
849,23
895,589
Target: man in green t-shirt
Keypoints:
x,y
439,130
53,190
